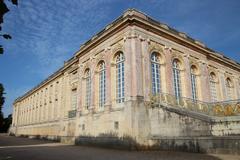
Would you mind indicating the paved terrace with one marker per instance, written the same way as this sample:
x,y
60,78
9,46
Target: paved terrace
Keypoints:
x,y
16,148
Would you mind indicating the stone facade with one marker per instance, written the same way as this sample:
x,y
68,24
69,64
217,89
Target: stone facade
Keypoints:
x,y
72,105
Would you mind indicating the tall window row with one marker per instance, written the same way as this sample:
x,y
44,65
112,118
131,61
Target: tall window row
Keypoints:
x,y
102,83
155,59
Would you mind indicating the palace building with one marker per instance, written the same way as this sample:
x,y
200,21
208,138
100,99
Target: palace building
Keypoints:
x,y
137,83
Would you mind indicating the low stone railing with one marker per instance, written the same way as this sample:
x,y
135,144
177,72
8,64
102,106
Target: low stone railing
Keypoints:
x,y
221,108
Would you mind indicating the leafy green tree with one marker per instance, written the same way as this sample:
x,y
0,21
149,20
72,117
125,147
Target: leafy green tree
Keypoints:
x,y
6,123
3,10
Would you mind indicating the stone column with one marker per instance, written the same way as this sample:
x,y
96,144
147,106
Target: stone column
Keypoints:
x,y
204,88
67,95
34,112
80,87
20,116
169,71
186,84
24,114
62,96
128,69
31,111
146,70
16,115
236,89
37,119
108,61
47,104
56,100
137,67
27,113
93,85
222,95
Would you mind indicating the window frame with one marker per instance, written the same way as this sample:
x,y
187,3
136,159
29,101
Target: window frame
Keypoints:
x,y
213,87
120,77
102,84
193,74
177,79
155,73
88,88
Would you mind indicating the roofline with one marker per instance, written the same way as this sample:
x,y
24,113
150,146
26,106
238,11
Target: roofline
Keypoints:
x,y
133,14
53,76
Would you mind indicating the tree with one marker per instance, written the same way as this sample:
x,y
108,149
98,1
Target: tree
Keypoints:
x,y
2,100
6,123
3,10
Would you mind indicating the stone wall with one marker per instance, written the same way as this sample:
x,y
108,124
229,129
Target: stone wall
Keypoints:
x,y
217,145
168,124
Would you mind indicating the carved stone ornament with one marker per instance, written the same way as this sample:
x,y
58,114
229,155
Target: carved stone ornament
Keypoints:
x,y
117,48
74,85
155,47
177,55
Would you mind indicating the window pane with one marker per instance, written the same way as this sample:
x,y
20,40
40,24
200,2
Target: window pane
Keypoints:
x,y
120,77
155,73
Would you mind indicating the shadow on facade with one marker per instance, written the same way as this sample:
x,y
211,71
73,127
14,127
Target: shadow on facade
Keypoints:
x,y
40,137
218,145
221,145
129,143
108,141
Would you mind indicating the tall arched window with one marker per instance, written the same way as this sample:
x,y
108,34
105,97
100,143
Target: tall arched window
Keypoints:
x,y
120,77
88,88
177,78
194,82
155,65
229,89
102,84
213,87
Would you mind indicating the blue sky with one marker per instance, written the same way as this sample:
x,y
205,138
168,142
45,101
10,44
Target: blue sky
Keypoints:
x,y
48,32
